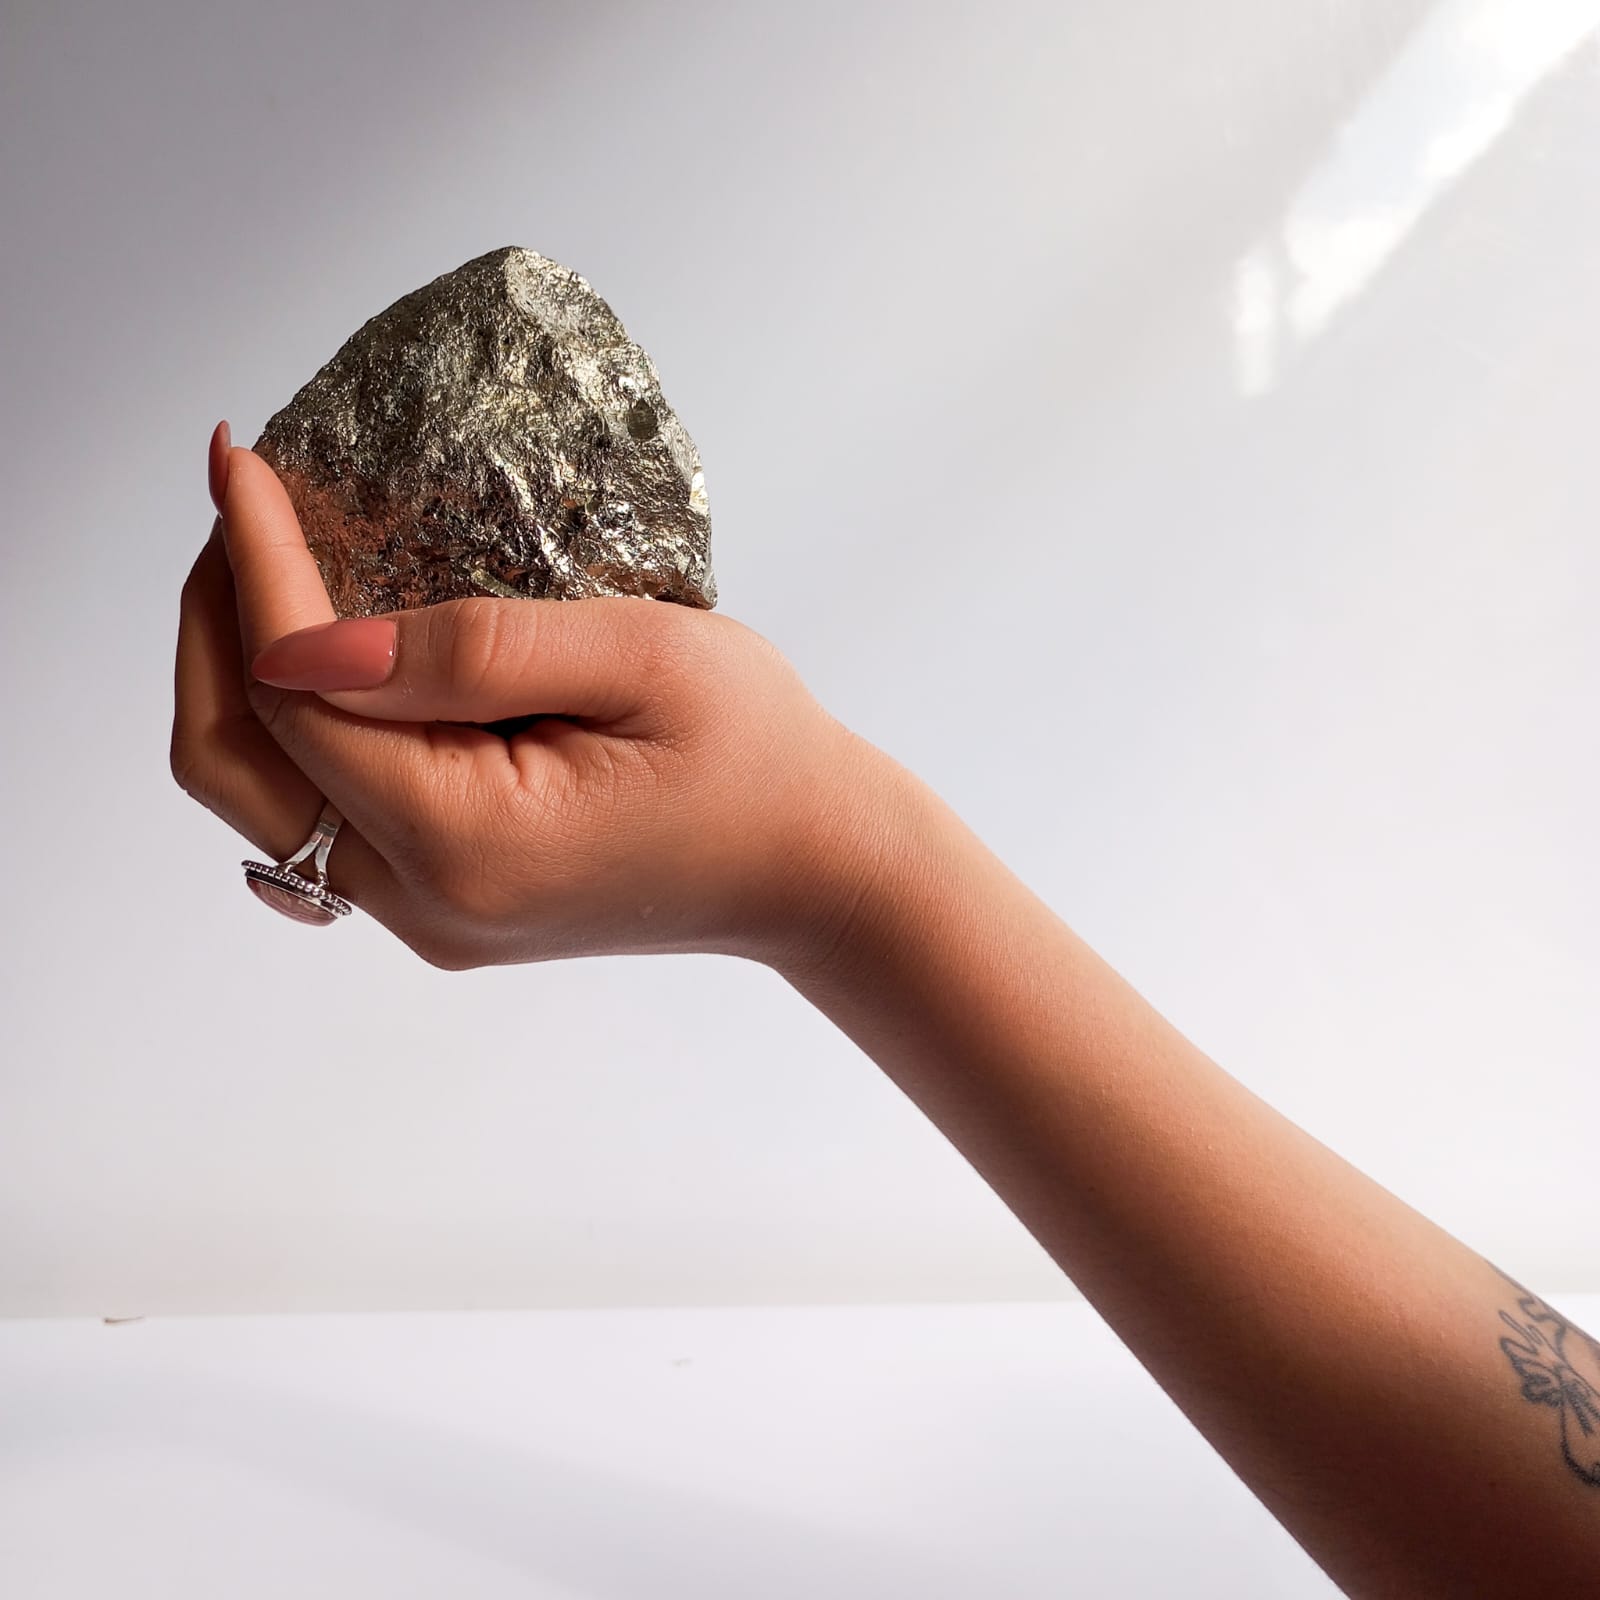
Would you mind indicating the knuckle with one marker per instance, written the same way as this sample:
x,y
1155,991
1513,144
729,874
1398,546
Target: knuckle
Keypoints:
x,y
734,641
474,893
668,647
187,760
270,705
475,642
451,890
443,954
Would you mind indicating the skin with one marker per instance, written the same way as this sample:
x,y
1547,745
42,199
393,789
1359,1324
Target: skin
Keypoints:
x,y
1422,1425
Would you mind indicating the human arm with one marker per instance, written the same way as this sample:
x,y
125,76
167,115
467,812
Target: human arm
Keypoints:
x,y
683,792
1422,1425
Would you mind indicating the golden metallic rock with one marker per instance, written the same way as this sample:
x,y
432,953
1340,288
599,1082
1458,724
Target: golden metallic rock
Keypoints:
x,y
496,432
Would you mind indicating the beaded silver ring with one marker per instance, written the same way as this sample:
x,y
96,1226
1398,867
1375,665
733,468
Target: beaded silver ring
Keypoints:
x,y
303,898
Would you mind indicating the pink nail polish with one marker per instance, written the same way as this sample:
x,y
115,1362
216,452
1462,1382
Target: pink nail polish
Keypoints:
x,y
355,653
217,467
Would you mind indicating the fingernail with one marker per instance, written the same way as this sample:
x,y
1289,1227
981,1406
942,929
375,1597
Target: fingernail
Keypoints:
x,y
217,468
355,653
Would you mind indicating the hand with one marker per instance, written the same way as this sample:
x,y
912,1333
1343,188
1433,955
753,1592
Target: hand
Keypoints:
x,y
681,790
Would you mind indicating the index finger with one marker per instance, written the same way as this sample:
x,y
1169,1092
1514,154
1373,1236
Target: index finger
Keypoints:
x,y
275,575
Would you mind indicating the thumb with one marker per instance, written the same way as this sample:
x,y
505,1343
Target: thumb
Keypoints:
x,y
478,660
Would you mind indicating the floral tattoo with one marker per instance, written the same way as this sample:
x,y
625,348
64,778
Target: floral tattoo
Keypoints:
x,y
1559,1366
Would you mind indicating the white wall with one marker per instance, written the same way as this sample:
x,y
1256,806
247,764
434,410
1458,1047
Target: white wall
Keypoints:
x,y
1169,428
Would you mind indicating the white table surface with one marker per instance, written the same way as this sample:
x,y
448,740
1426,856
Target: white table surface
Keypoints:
x,y
986,1450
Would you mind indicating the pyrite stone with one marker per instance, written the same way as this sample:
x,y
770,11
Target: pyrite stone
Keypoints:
x,y
496,432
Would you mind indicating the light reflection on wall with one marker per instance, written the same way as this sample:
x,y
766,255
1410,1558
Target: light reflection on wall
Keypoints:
x,y
1442,103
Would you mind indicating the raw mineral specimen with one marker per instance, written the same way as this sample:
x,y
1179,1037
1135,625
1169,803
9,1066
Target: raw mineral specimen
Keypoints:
x,y
496,432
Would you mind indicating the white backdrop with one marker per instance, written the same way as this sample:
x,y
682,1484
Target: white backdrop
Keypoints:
x,y
1168,428
680,1453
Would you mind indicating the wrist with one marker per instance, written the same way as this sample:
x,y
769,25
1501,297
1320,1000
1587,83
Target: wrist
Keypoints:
x,y
865,843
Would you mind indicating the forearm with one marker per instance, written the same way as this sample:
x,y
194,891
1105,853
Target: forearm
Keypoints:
x,y
1339,1350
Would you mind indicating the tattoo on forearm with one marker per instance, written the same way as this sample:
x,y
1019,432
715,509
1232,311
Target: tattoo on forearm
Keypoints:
x,y
1559,1366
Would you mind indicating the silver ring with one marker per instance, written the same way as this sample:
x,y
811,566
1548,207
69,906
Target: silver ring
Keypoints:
x,y
304,898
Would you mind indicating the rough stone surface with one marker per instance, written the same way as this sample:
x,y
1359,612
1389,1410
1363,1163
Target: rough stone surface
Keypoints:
x,y
496,432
